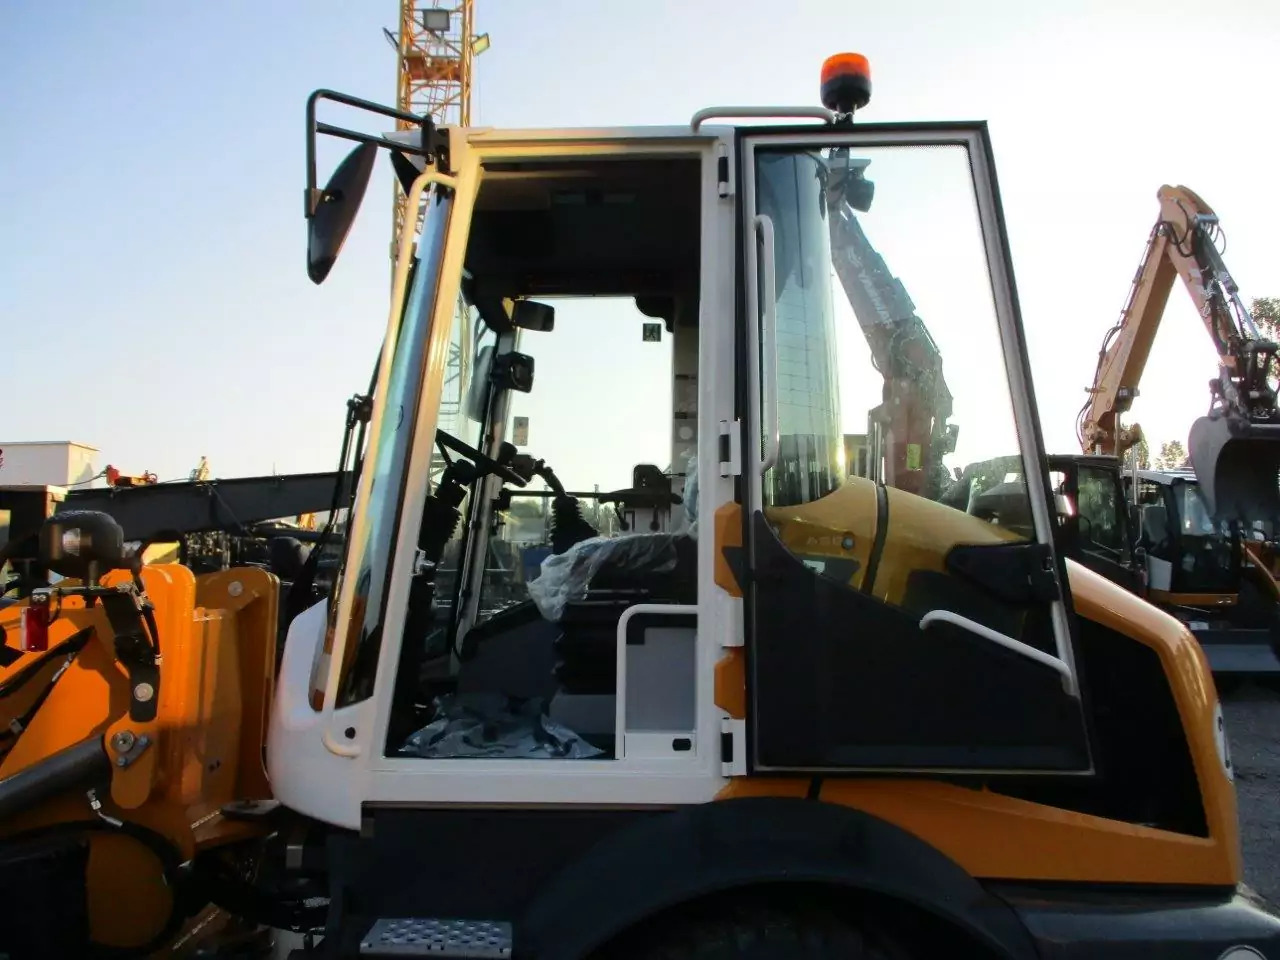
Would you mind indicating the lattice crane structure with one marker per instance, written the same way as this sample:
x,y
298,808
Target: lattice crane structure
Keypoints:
x,y
436,44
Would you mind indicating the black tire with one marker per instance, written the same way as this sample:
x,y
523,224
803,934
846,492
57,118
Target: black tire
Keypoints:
x,y
754,930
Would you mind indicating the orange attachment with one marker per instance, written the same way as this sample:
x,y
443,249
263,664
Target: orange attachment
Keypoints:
x,y
841,64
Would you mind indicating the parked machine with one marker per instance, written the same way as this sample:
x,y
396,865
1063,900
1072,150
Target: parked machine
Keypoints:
x,y
1198,542
1152,534
812,714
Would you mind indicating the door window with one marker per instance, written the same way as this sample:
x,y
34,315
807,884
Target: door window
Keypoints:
x,y
905,609
1102,530
887,343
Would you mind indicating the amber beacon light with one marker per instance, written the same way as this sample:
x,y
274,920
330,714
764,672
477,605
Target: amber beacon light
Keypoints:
x,y
846,82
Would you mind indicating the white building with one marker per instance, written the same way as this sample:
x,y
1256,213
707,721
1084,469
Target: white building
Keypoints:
x,y
51,463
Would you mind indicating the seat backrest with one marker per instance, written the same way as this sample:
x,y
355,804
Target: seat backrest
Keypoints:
x,y
1155,524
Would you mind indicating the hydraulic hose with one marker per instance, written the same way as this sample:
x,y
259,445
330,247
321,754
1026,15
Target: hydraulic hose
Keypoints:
x,y
167,853
78,767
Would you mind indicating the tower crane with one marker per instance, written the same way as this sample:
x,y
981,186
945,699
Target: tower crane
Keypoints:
x,y
436,45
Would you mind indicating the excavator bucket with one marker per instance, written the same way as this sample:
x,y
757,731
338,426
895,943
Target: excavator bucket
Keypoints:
x,y
1237,464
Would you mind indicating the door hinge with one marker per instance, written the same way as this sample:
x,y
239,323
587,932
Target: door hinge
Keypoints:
x,y
730,446
733,747
724,175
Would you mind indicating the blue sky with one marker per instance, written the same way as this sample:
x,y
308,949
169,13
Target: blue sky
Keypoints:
x,y
153,294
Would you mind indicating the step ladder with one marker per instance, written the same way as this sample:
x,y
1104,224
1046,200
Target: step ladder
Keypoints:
x,y
431,937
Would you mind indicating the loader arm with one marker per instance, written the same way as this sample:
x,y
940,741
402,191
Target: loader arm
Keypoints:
x,y
916,402
1235,458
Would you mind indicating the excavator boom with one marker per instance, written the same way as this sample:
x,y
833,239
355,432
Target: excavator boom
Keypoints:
x,y
1235,448
917,402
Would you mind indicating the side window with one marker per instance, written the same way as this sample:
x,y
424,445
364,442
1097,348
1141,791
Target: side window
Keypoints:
x,y
1101,525
894,412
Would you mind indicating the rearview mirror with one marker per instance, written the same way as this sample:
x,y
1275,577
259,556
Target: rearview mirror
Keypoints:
x,y
330,215
531,315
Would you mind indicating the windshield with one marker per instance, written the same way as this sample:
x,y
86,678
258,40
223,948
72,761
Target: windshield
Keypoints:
x,y
368,560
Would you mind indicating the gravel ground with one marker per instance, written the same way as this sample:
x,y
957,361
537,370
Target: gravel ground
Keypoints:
x,y
1253,729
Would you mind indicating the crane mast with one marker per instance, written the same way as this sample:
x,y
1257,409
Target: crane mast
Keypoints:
x,y
436,45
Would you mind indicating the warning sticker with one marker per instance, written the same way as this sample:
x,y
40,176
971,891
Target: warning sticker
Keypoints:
x,y
913,456
520,432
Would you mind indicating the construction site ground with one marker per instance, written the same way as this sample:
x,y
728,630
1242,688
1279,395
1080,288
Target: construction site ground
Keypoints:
x,y
1253,724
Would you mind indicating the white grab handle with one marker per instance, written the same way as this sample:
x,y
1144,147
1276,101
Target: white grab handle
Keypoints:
x,y
768,338
995,636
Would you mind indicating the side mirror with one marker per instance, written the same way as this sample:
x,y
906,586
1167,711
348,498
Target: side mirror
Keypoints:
x,y
83,545
531,315
331,212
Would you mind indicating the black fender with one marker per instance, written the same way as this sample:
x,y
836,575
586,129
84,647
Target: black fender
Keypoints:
x,y
665,860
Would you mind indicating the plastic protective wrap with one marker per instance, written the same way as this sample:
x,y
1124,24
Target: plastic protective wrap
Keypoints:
x,y
494,725
690,496
566,576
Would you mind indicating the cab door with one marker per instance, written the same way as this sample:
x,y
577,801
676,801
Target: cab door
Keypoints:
x,y
905,607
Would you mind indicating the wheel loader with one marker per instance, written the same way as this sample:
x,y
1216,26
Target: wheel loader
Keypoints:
x,y
775,707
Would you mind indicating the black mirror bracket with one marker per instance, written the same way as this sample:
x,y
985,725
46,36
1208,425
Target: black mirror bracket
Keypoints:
x,y
432,146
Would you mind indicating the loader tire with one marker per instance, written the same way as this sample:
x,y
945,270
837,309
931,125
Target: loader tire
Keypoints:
x,y
756,930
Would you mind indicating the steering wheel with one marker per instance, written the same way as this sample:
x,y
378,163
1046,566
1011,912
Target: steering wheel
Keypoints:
x,y
486,464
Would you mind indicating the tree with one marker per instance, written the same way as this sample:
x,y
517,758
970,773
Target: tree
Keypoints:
x,y
1266,314
1172,456
1142,452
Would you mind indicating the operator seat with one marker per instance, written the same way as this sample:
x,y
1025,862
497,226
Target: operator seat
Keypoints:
x,y
1155,530
639,568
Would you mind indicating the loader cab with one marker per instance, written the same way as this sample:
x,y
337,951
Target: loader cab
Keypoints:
x,y
606,534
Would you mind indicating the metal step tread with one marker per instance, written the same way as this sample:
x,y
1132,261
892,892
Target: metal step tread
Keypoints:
x,y
433,937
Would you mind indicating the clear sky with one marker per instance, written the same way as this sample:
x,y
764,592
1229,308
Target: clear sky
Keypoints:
x,y
153,295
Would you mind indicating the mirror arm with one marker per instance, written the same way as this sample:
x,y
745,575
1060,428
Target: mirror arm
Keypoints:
x,y
431,144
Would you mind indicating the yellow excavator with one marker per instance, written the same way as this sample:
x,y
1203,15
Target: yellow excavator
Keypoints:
x,y
1199,540
790,709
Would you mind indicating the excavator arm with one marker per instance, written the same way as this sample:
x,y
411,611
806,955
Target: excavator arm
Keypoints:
x,y
1235,449
916,402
